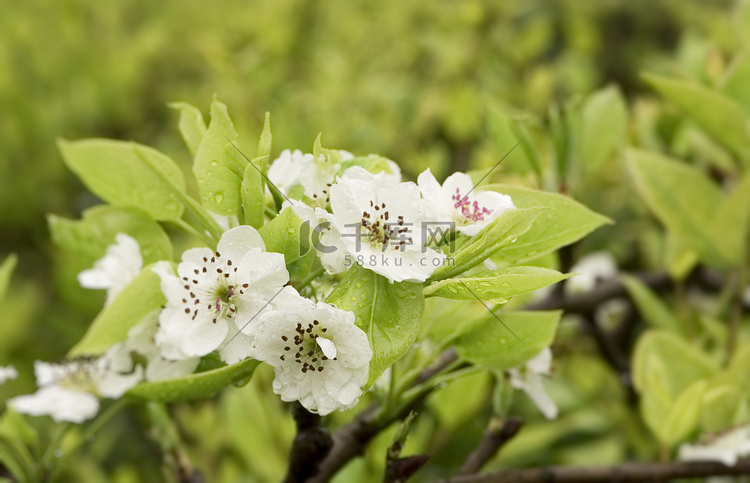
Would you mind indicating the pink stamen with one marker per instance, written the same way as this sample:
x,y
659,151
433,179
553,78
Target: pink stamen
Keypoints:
x,y
470,210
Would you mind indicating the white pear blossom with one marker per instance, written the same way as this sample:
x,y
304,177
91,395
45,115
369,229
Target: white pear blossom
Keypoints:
x,y
286,171
121,264
215,294
380,225
457,201
529,378
590,270
71,391
725,448
317,178
326,239
320,357
382,171
7,374
142,340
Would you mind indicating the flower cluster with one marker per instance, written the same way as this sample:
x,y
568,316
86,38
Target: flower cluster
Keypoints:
x,y
382,223
236,301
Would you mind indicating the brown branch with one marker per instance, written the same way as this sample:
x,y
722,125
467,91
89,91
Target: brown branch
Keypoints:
x,y
494,439
311,444
586,303
397,469
400,469
352,439
629,472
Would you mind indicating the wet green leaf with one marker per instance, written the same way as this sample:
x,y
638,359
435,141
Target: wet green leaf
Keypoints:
x,y
195,386
128,174
500,284
510,343
389,313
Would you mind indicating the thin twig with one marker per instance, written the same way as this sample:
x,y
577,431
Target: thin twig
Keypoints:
x,y
626,473
494,438
398,469
352,439
735,312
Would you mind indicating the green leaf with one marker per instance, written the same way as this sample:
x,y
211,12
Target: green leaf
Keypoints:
x,y
507,131
265,142
128,174
6,271
671,420
682,197
657,352
492,344
195,386
500,284
136,301
738,365
253,187
680,257
284,234
501,232
219,167
19,442
719,116
651,307
89,237
671,377
192,126
731,224
721,406
561,222
602,125
389,313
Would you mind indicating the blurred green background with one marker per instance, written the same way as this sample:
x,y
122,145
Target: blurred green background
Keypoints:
x,y
412,80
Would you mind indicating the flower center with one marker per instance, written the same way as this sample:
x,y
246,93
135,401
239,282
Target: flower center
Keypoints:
x,y
210,291
79,376
470,210
305,349
380,231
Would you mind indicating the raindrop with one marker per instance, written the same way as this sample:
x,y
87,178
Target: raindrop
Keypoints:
x,y
218,197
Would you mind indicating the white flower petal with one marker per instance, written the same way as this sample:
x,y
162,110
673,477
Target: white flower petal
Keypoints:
x,y
236,347
320,357
530,380
535,389
458,201
589,270
541,363
726,448
327,346
236,242
285,170
119,266
62,404
47,373
192,339
216,291
7,373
